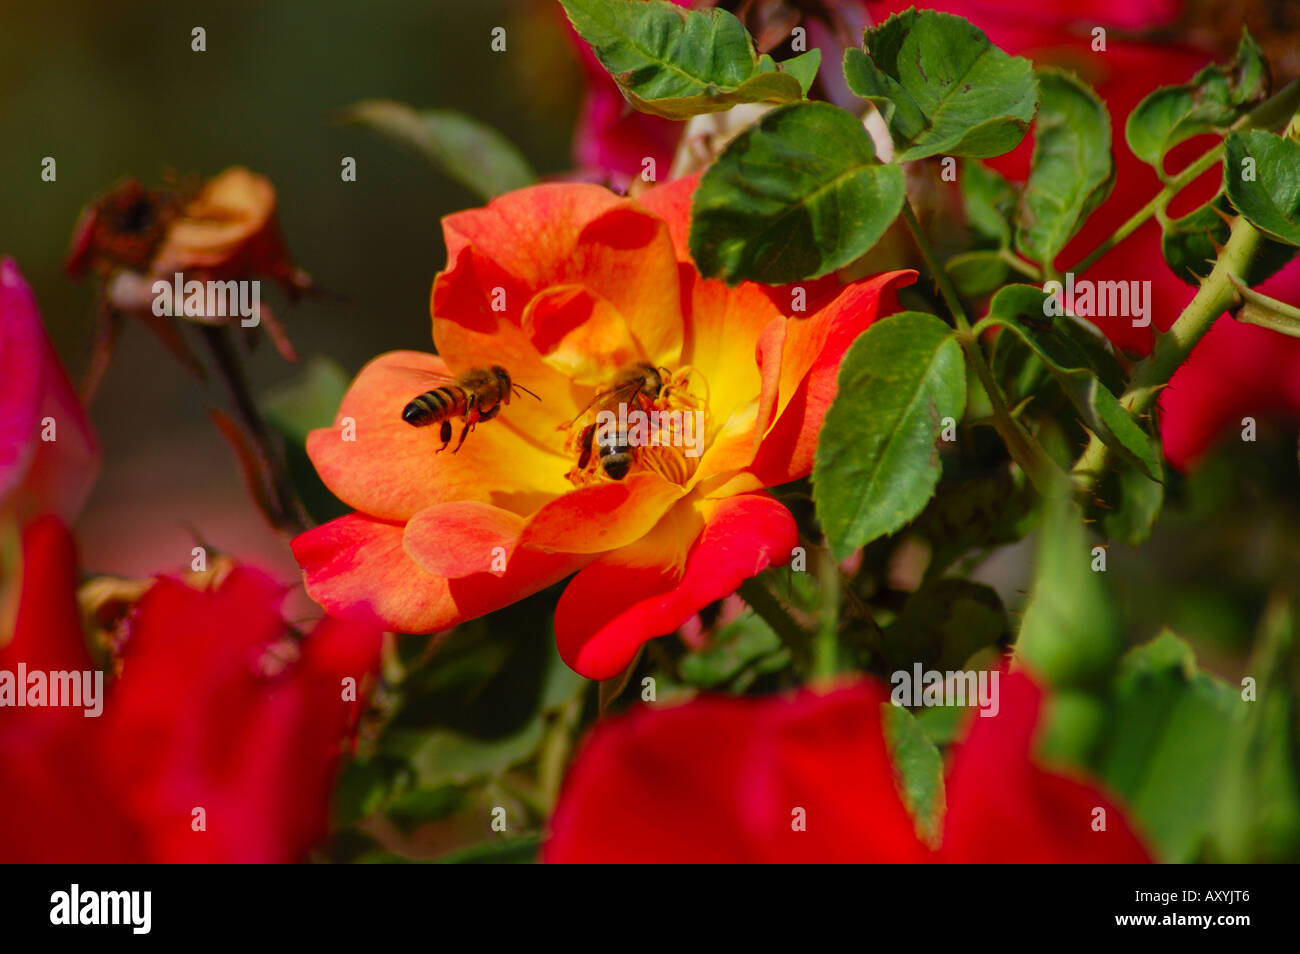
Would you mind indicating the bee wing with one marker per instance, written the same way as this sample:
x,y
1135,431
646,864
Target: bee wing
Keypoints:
x,y
424,378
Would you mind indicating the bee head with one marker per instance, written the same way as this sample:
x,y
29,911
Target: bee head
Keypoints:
x,y
503,381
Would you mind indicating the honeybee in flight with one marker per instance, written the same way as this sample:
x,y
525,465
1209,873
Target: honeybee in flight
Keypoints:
x,y
477,395
637,382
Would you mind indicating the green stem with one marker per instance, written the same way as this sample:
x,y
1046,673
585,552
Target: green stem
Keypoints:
x,y
1216,294
1156,206
1020,265
826,646
937,271
769,608
556,748
1025,451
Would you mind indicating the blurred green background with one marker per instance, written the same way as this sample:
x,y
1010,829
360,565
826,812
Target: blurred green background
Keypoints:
x,y
114,90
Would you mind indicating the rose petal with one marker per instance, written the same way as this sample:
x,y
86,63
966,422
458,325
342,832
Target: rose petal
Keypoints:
x,y
393,470
580,334
462,537
734,781
38,475
1002,808
627,597
554,234
671,201
357,568
603,516
47,632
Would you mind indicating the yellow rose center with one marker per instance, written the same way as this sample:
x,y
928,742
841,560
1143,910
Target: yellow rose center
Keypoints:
x,y
645,418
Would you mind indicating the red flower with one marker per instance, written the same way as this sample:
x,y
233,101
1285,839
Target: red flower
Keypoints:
x,y
199,718
729,780
48,455
564,285
1236,370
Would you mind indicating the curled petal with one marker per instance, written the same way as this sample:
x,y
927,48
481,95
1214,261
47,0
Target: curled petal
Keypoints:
x,y
800,360
625,598
580,334
230,231
602,516
47,632
358,568
548,235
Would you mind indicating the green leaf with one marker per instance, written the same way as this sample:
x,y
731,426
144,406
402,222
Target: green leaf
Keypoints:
x,y
1072,170
1070,631
1080,361
795,196
296,408
1258,812
464,149
942,87
441,756
943,624
740,643
1191,244
421,805
1166,744
1070,342
1213,100
1074,723
489,678
920,770
804,68
678,63
977,274
519,850
1268,313
1133,504
309,401
877,460
944,725
990,202
978,514
361,790
560,683
1270,200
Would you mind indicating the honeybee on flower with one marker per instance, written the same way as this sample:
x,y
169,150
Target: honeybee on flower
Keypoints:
x,y
601,284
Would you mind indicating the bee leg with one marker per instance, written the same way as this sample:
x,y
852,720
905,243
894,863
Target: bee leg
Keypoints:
x,y
445,433
471,419
587,435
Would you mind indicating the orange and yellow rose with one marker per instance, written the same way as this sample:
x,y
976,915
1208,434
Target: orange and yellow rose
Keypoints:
x,y
564,285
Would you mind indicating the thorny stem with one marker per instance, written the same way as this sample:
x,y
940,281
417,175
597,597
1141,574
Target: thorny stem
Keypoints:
x,y
1216,294
1025,451
288,515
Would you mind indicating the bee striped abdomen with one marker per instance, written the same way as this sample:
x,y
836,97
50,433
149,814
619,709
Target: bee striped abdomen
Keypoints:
x,y
434,406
